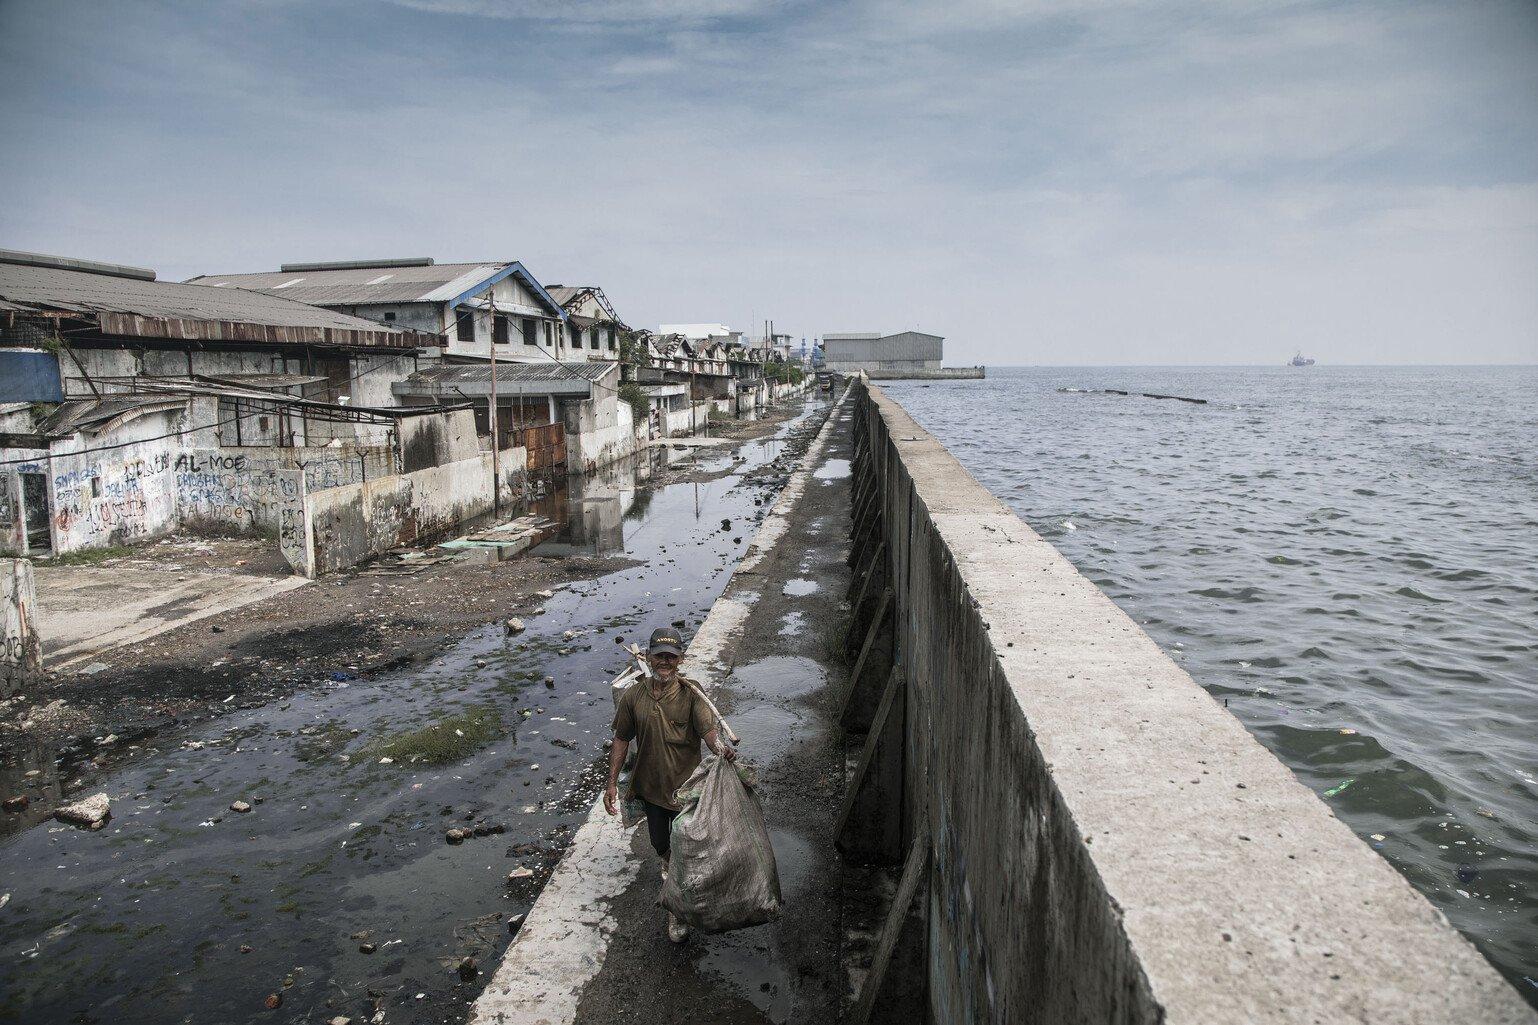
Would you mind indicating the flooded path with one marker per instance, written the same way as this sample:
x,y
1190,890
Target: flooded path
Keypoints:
x,y
336,894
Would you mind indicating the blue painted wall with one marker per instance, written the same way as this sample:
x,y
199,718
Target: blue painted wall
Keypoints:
x,y
29,376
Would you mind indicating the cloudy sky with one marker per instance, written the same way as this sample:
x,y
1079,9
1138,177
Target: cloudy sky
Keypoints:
x,y
1122,181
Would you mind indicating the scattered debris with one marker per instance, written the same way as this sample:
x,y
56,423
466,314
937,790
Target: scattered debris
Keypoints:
x,y
468,969
458,835
513,627
274,1001
17,803
1342,785
240,806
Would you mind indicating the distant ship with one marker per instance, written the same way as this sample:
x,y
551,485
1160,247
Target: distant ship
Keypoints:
x,y
1301,361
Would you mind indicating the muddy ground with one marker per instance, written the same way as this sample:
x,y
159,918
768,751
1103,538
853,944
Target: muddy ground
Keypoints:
x,y
351,625
340,890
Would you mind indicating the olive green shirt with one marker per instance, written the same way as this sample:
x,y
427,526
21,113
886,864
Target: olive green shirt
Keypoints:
x,y
667,732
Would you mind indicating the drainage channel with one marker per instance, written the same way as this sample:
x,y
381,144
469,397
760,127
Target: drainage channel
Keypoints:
x,y
336,893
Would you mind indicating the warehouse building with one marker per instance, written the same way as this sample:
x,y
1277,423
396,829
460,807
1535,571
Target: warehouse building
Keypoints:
x,y
870,351
889,357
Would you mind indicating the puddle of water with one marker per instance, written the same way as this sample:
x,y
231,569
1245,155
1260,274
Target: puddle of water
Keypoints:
x,y
778,676
800,587
832,469
752,961
793,624
183,908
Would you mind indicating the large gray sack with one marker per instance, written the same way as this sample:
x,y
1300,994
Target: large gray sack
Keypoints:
x,y
721,871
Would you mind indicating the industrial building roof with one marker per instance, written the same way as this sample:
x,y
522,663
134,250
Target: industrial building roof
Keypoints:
x,y
475,380
383,282
138,305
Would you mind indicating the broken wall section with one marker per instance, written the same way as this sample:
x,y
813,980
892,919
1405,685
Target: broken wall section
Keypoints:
x,y
21,659
341,527
244,490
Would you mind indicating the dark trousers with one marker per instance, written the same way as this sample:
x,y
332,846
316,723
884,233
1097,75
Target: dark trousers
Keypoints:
x,y
659,826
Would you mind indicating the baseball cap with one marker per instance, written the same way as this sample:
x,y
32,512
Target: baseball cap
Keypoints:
x,y
666,640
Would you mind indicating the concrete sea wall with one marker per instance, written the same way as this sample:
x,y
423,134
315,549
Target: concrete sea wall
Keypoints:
x,y
1093,837
917,373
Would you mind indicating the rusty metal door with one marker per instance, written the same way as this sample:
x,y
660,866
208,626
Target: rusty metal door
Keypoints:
x,y
546,447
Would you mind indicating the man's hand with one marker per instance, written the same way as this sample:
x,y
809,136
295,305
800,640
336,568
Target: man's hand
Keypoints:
x,y
728,752
610,797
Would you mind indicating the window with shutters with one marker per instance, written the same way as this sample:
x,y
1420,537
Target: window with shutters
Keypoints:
x,y
464,325
499,334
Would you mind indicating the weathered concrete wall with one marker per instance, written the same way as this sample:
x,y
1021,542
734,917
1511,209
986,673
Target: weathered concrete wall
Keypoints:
x,y
916,373
681,421
436,440
344,526
599,431
1105,842
21,658
119,495
246,489
13,528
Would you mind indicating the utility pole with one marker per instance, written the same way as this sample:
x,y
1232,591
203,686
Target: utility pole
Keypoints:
x,y
496,441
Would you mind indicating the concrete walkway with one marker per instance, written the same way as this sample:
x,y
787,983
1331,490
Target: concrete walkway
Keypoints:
x,y
86,611
594,948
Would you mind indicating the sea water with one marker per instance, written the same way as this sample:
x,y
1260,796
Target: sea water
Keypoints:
x,y
1347,555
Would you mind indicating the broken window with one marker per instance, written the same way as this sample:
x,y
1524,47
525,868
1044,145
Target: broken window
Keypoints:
x,y
547,332
529,329
389,316
499,334
464,325
611,339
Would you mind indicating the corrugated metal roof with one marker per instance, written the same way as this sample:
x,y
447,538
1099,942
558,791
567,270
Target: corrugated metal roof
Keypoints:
x,y
592,371
475,380
564,294
94,294
366,286
95,415
363,285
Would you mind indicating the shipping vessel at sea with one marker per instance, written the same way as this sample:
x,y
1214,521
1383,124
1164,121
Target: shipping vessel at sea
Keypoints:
x,y
1301,360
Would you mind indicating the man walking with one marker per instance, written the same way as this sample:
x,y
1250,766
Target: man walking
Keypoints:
x,y
666,717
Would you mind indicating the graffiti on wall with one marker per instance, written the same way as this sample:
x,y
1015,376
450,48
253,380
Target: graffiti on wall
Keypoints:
x,y
293,521
108,503
248,492
214,487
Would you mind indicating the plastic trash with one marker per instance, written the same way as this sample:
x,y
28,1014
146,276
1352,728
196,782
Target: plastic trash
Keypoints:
x,y
1342,785
721,870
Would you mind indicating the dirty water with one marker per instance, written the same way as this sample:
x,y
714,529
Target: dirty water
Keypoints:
x,y
799,588
771,712
337,893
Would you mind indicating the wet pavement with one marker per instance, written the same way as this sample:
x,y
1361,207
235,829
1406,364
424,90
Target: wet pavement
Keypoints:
x,y
775,658
336,894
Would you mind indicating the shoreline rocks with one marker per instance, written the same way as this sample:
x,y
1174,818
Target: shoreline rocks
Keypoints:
x,y
92,813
